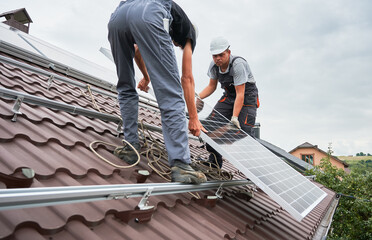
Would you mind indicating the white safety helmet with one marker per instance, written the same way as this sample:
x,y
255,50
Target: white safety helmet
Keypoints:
x,y
218,45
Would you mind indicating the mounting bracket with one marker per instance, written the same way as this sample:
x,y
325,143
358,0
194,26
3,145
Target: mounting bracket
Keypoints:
x,y
50,82
16,107
143,204
119,128
219,191
52,66
68,70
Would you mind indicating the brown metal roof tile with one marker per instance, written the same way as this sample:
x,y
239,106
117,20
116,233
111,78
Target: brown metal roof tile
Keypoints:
x,y
56,145
46,159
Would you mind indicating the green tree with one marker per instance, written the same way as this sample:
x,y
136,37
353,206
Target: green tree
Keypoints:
x,y
353,217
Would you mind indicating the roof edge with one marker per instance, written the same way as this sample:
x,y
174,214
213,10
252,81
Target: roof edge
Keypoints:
x,y
325,224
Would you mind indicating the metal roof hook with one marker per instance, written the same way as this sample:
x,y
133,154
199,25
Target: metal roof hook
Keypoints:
x,y
68,70
50,81
219,192
119,128
143,204
52,66
16,107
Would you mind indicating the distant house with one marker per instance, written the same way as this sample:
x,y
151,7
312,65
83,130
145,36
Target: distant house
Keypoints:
x,y
312,155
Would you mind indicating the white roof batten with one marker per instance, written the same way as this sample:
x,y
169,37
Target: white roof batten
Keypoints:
x,y
291,190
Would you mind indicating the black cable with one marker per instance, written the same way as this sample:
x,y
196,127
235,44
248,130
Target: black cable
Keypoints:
x,y
349,196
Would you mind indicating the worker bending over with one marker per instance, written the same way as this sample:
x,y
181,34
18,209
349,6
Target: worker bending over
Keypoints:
x,y
153,25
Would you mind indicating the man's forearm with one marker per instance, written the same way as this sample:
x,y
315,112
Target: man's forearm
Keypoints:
x,y
238,104
239,100
141,64
189,94
207,91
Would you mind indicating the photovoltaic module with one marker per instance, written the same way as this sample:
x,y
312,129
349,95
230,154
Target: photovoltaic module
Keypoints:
x,y
291,190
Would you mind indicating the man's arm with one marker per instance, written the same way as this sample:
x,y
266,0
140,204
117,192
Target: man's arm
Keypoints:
x,y
208,90
188,86
143,84
239,100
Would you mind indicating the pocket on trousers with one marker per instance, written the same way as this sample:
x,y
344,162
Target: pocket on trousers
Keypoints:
x,y
250,118
168,57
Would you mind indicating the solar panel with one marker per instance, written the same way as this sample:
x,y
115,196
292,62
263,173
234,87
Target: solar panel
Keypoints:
x,y
41,48
291,190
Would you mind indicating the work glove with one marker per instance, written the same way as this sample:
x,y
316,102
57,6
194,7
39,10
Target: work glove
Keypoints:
x,y
235,121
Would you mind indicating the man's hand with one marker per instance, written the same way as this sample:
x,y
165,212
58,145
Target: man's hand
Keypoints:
x,y
235,121
195,127
143,85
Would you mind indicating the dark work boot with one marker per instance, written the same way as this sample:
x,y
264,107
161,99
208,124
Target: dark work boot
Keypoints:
x,y
184,173
127,153
215,158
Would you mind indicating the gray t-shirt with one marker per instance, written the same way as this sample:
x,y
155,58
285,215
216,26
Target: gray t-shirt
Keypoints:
x,y
242,72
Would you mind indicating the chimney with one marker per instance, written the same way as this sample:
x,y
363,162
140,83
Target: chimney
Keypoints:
x,y
18,19
256,130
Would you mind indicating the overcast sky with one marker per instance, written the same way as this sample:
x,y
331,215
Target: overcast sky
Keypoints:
x,y
312,59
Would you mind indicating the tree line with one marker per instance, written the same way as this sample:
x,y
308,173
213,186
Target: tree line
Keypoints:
x,y
353,216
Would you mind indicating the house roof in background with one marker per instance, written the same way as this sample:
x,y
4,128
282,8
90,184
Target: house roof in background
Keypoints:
x,y
307,145
295,162
55,144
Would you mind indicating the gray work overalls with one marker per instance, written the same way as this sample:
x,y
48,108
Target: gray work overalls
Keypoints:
x,y
141,22
225,105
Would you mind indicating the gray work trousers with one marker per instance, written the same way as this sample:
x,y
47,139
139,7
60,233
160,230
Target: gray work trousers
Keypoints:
x,y
141,22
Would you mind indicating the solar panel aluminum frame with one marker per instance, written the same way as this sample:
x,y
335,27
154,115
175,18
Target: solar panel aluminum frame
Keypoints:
x,y
259,183
41,60
270,158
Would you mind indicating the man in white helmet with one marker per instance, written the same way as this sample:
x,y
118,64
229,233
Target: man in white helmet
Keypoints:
x,y
240,99
144,30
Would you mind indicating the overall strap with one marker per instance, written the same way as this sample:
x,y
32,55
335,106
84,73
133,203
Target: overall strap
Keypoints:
x,y
232,63
233,60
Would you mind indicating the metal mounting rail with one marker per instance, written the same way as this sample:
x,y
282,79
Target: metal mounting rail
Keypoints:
x,y
39,197
11,94
52,76
21,97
